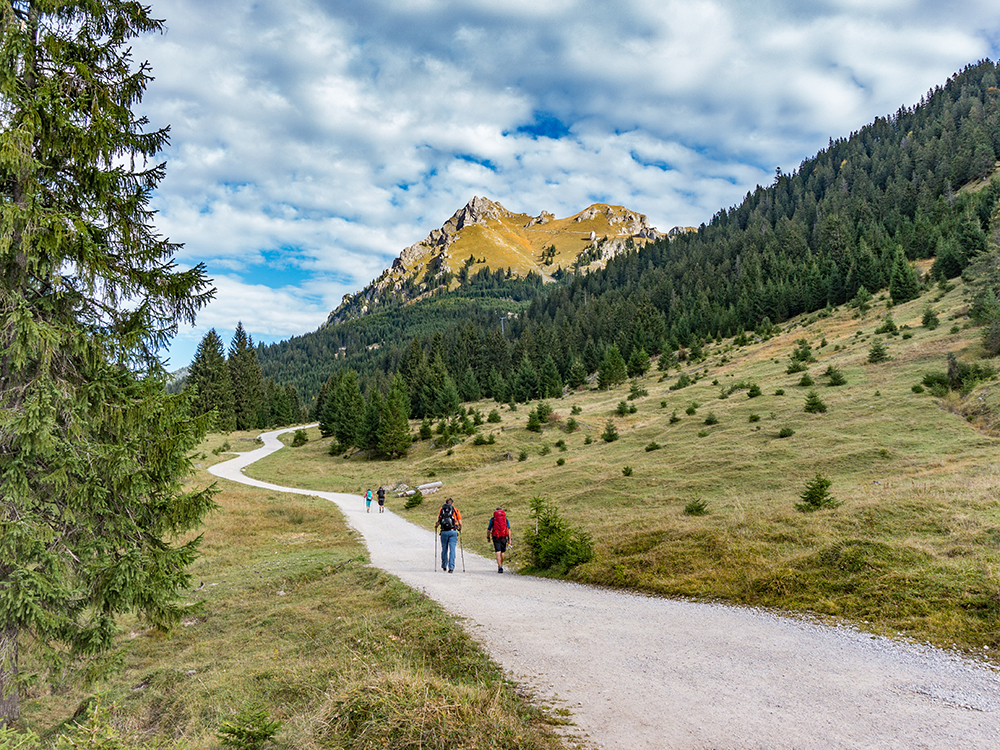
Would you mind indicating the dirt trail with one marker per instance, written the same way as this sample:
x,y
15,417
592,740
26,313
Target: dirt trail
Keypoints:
x,y
644,672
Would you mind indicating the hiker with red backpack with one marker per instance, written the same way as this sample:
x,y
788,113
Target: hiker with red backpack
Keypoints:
x,y
450,522
499,531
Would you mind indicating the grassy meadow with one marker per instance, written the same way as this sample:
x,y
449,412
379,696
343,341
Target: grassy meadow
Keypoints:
x,y
287,617
912,549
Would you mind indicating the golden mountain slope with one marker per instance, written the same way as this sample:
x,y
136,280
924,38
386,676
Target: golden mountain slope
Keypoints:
x,y
495,238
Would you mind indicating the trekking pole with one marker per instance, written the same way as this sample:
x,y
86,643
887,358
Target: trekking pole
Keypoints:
x,y
435,551
462,546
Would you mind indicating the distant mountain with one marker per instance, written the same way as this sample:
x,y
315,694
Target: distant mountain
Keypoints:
x,y
484,234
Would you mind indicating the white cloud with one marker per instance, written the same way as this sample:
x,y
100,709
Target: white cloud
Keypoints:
x,y
319,138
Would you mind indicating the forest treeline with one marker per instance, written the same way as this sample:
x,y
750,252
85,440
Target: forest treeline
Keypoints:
x,y
234,390
847,222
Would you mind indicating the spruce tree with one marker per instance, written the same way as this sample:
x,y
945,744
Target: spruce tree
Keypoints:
x,y
612,371
394,438
550,383
372,428
638,363
246,379
209,378
93,450
903,282
577,375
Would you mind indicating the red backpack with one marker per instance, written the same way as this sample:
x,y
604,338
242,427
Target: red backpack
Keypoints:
x,y
500,524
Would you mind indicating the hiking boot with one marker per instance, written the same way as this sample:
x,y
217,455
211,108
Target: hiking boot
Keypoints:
x,y
452,570
500,569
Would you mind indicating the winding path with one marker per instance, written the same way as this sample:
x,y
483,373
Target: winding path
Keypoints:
x,y
645,672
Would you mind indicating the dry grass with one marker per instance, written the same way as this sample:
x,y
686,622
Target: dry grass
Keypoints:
x,y
914,548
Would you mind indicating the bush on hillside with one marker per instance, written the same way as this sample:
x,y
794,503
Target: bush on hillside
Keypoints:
x,y
555,545
816,495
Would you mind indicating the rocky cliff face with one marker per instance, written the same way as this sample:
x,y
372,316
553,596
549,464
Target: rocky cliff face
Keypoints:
x,y
485,234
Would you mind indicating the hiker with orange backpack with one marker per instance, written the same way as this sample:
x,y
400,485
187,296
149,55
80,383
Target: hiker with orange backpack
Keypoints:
x,y
499,531
450,522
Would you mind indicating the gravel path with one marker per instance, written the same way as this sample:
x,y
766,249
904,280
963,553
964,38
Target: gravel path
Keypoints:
x,y
645,672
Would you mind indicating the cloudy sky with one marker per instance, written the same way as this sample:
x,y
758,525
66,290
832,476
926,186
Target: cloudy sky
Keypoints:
x,y
312,140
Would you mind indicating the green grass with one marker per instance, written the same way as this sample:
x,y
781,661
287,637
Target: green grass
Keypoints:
x,y
287,615
913,549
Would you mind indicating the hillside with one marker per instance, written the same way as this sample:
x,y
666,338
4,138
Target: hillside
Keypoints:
x,y
697,496
485,235
913,190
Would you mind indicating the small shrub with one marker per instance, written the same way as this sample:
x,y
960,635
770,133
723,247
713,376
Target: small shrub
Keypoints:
x,y
610,433
571,425
622,409
575,410
534,422
555,544
795,367
703,433
691,410
954,329
806,381
696,507
785,432
493,417
588,440
653,446
835,375
917,388
674,419
779,392
682,382
754,418
814,404
545,450
877,353
627,471
561,445
544,411
754,391
522,456
816,495
560,461
711,419
637,391
889,326
251,729
480,439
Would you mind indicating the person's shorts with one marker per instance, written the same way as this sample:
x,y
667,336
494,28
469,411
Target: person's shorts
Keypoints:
x,y
500,543
381,501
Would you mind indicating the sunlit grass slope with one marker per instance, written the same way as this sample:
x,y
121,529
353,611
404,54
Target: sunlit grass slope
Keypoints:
x,y
913,548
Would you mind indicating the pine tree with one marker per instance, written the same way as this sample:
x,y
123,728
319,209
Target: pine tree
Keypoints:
x,y
577,375
612,371
348,410
93,450
550,383
394,439
814,404
209,378
638,363
372,428
246,380
903,282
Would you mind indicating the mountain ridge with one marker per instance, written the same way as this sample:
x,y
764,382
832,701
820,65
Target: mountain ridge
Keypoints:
x,y
496,238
